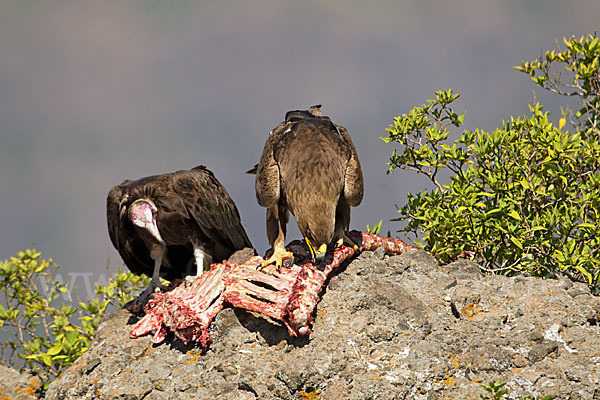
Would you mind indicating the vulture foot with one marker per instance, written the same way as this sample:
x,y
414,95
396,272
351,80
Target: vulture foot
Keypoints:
x,y
137,305
278,257
189,280
348,242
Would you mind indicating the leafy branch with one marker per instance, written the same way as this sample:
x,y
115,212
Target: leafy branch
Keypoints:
x,y
47,338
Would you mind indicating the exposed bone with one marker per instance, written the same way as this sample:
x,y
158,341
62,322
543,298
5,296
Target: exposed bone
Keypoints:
x,y
289,295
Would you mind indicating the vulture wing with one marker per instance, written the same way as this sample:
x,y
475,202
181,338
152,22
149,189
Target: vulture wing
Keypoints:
x,y
209,204
353,178
113,208
268,183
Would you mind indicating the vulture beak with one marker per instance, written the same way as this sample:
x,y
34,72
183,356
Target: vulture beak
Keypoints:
x,y
317,255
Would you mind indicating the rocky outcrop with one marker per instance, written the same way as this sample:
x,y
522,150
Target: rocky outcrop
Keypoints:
x,y
18,386
400,327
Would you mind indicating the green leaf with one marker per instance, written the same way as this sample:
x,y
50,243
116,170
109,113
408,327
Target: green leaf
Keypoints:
x,y
494,212
514,215
46,359
54,350
516,242
586,225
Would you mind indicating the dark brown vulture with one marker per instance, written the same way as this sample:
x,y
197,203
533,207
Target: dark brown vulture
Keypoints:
x,y
161,224
309,166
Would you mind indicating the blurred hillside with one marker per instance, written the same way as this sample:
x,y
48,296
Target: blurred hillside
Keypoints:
x,y
96,92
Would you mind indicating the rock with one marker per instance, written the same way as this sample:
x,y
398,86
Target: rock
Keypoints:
x,y
385,328
18,386
540,350
241,256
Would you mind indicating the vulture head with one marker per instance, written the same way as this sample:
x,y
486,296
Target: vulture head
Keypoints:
x,y
142,214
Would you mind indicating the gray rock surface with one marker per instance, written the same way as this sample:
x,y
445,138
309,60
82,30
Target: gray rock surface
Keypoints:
x,y
18,386
398,327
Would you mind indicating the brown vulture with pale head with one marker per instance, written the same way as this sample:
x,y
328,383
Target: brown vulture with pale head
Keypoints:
x,y
161,224
310,167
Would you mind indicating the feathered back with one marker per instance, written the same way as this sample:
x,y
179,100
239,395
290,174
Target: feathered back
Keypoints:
x,y
310,164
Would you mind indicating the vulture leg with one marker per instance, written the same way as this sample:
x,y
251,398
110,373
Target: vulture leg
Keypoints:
x,y
155,282
203,261
342,222
137,304
276,228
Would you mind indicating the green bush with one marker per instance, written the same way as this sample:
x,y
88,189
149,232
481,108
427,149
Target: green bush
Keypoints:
x,y
523,198
45,337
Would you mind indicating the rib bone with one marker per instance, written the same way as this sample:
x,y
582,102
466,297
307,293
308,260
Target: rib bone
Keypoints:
x,y
289,295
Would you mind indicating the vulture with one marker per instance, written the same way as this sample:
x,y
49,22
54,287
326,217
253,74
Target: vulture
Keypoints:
x,y
309,167
162,224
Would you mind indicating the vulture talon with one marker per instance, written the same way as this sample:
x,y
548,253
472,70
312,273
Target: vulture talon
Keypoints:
x,y
348,242
189,280
136,305
277,257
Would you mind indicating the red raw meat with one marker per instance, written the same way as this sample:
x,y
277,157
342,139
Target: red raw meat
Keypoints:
x,y
289,295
